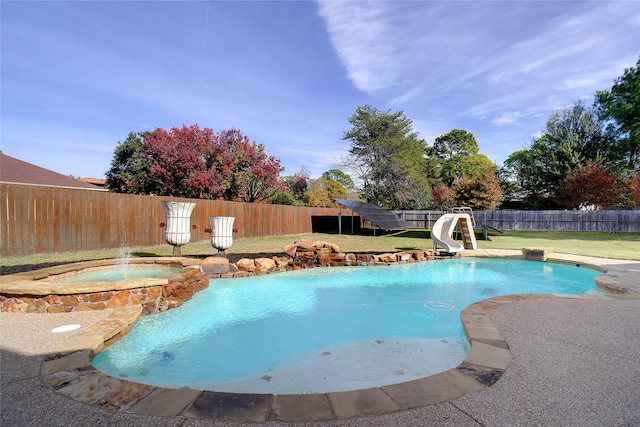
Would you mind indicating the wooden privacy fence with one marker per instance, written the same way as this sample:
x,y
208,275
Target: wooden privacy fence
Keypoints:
x,y
46,220
616,221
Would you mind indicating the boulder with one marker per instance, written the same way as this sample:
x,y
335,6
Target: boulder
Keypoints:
x,y
246,264
290,250
365,258
307,245
214,265
386,258
264,265
404,256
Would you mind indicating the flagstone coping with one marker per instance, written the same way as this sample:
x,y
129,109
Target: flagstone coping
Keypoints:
x,y
35,282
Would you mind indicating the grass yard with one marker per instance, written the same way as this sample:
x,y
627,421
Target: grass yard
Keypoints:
x,y
606,245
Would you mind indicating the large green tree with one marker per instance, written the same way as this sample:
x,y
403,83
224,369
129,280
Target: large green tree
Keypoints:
x,y
621,107
339,176
389,158
458,155
571,137
129,168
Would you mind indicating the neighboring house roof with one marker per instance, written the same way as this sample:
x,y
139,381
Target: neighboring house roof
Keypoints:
x,y
100,182
17,171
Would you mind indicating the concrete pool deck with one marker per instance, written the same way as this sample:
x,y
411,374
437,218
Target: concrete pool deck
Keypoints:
x,y
573,361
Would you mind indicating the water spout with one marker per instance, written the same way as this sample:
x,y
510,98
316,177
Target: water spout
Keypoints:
x,y
124,256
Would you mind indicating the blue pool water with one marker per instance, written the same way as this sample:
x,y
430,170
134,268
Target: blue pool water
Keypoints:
x,y
273,333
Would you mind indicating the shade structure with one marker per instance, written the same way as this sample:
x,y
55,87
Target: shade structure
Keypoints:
x,y
376,215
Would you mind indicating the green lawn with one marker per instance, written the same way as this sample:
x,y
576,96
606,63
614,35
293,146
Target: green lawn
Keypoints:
x,y
607,245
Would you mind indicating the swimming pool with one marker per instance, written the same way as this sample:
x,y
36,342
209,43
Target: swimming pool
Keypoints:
x,y
327,329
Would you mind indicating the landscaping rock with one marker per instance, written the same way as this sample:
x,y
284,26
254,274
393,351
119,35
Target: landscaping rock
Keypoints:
x,y
264,265
215,265
290,250
246,264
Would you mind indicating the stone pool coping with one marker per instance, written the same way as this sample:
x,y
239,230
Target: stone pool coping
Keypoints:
x,y
69,372
39,291
35,283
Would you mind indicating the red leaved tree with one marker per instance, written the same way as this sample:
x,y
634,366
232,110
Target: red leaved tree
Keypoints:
x,y
198,163
442,196
252,175
180,162
633,191
589,186
482,191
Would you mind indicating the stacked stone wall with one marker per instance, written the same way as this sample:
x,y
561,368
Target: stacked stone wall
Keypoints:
x,y
307,254
179,288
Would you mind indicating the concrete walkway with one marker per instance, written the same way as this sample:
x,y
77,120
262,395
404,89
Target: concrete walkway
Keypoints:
x,y
574,362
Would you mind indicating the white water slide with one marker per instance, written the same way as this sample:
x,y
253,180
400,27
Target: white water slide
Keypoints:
x,y
442,232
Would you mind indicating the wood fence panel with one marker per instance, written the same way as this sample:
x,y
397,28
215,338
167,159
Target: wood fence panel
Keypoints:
x,y
615,221
40,219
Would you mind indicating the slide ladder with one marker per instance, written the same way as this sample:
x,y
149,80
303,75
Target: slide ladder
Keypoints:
x,y
442,232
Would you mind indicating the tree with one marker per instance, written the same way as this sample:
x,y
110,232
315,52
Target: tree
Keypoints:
x,y
388,158
196,163
322,192
482,191
339,176
442,196
621,105
571,138
252,175
283,198
129,168
297,184
633,191
185,162
589,185
525,168
454,151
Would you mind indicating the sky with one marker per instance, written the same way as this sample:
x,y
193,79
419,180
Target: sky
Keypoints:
x,y
76,77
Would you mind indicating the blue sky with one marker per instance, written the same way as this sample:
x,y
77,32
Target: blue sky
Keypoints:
x,y
78,76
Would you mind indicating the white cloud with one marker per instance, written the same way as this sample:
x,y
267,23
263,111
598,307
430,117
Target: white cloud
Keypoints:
x,y
360,34
507,118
